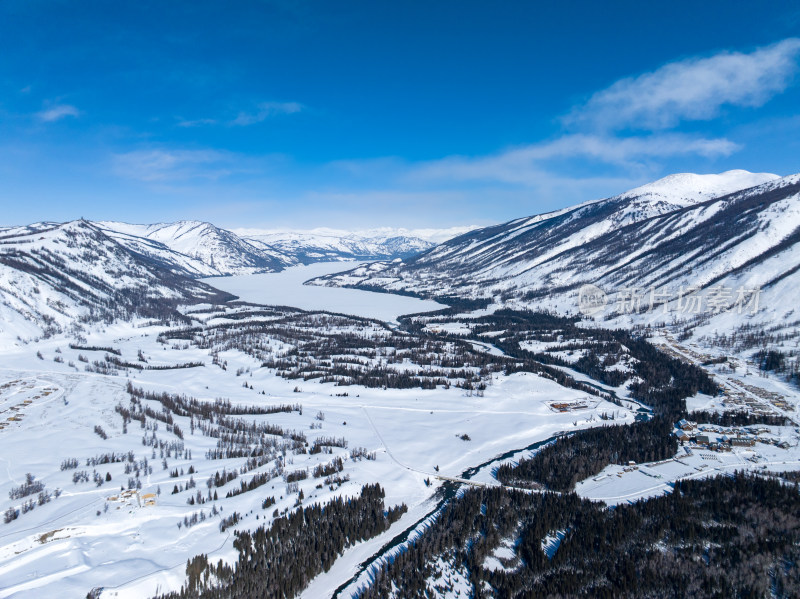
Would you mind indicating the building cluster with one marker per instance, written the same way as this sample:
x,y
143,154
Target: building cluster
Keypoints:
x,y
132,498
725,438
15,413
776,399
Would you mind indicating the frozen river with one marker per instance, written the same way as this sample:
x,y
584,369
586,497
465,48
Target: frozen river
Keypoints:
x,y
286,289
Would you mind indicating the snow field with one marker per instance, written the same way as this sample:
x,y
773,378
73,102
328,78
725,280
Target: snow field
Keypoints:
x,y
65,548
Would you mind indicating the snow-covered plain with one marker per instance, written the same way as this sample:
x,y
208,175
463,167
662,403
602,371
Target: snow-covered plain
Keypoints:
x,y
286,289
93,536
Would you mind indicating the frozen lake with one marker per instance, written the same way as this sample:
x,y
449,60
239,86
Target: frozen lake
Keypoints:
x,y
286,289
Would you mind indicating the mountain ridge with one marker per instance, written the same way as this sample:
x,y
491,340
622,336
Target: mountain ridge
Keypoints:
x,y
743,237
55,277
201,249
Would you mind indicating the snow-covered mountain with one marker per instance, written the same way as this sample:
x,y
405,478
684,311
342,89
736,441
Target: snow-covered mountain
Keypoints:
x,y
197,249
736,230
323,244
200,249
54,277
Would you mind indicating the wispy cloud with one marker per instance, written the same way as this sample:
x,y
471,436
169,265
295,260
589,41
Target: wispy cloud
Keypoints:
x,y
197,122
525,165
262,112
613,127
692,89
266,110
162,165
57,112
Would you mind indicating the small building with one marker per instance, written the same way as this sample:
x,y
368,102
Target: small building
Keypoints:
x,y
757,430
686,425
703,440
742,442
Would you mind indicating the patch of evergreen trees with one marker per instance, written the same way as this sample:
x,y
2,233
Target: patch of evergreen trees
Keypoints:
x,y
278,562
731,536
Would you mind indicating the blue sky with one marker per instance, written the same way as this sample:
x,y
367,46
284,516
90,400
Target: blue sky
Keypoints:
x,y
300,113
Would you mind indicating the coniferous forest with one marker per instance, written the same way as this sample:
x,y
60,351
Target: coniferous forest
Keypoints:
x,y
736,536
280,561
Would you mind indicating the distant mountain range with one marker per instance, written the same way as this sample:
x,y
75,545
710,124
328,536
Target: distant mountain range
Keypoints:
x,y
200,249
323,245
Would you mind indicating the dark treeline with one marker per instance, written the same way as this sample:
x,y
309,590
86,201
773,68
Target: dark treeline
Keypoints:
x,y
738,418
119,364
183,405
733,536
665,381
176,366
560,465
752,335
353,351
110,350
788,364
256,481
279,561
236,437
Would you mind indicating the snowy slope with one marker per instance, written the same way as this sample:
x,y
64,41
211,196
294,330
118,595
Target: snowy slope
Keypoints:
x,y
134,543
56,277
197,248
665,236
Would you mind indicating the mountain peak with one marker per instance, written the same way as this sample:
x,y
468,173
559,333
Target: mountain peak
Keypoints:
x,y
683,189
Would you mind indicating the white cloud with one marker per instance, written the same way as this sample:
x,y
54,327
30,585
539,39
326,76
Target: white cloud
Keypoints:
x,y
160,165
525,165
266,110
57,112
197,123
263,111
692,89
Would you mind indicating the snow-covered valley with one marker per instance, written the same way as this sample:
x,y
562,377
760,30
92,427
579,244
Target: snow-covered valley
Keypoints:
x,y
157,423
121,530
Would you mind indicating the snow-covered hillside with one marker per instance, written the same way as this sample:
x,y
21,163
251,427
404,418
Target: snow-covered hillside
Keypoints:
x,y
679,236
132,489
200,422
197,248
58,277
